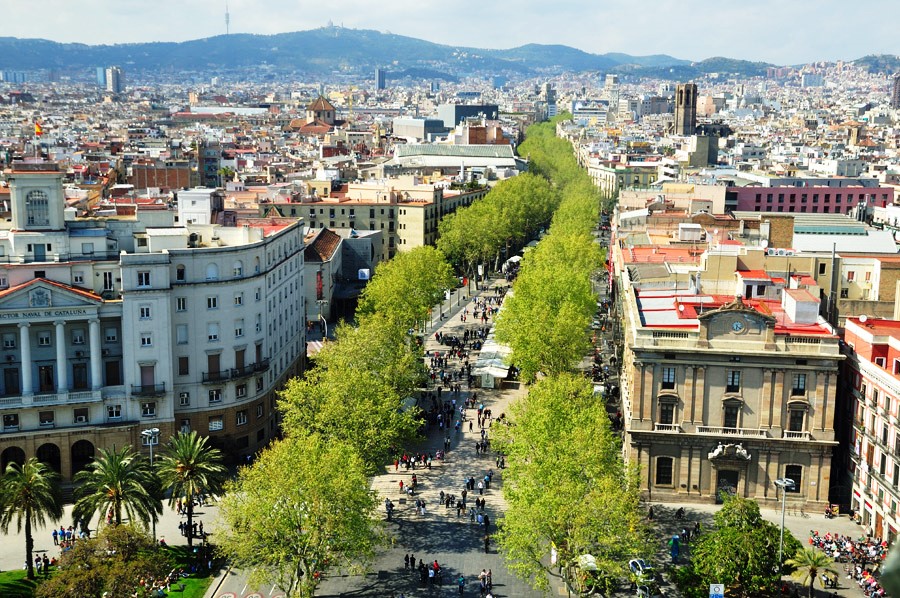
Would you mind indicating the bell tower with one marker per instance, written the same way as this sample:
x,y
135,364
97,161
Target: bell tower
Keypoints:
x,y
36,196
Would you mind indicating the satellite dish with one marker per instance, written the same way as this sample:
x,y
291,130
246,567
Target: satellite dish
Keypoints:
x,y
765,243
863,318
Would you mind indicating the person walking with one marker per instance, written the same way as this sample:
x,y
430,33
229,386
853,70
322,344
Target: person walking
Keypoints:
x,y
461,582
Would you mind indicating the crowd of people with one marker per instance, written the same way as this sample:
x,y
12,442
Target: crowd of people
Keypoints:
x,y
863,558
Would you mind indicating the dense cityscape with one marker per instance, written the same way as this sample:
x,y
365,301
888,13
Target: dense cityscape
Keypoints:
x,y
443,325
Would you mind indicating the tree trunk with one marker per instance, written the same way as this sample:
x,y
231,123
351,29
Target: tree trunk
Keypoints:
x,y
812,583
190,521
29,545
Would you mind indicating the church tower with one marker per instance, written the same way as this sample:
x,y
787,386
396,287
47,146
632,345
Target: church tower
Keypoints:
x,y
686,109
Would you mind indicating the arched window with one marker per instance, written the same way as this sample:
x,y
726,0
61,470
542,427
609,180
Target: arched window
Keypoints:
x,y
179,273
256,265
238,269
37,208
212,272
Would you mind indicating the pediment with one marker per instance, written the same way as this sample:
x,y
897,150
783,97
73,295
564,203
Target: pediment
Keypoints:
x,y
736,307
42,295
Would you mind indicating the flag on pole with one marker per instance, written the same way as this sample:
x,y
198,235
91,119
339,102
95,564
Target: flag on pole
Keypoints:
x,y
38,129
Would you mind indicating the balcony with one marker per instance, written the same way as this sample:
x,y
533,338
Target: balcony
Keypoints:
x,y
666,428
721,431
261,366
791,435
148,390
243,372
220,376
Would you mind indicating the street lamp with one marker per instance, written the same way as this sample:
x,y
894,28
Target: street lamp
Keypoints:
x,y
319,304
152,436
785,484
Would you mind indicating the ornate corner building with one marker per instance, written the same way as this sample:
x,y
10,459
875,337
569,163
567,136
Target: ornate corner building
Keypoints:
x,y
113,325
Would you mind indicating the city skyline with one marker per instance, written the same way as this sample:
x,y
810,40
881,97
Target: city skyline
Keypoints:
x,y
689,29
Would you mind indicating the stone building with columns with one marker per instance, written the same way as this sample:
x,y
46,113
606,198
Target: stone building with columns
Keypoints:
x,y
726,394
111,326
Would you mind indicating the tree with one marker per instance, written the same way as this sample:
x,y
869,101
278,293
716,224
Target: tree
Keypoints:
x,y
29,494
358,390
407,286
742,553
188,468
117,481
116,564
302,508
566,486
810,564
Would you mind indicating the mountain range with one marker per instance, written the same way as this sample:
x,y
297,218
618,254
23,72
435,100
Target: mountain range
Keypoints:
x,y
331,49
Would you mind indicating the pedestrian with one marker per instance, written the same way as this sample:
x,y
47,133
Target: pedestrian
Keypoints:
x,y
650,513
487,523
55,538
431,576
461,582
487,541
480,487
406,561
490,580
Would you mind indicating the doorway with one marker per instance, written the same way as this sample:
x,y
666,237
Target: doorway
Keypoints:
x,y
726,484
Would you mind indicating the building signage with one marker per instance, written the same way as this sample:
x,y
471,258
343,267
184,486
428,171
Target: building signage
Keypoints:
x,y
48,313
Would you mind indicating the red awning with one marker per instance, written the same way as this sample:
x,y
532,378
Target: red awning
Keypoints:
x,y
855,493
868,504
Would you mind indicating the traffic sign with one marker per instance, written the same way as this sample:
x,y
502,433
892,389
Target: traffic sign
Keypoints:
x,y
716,590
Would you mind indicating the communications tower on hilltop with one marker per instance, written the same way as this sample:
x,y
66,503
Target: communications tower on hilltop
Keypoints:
x,y
227,20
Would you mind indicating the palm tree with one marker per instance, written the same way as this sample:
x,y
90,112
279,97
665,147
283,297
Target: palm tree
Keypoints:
x,y
117,481
29,492
189,468
810,563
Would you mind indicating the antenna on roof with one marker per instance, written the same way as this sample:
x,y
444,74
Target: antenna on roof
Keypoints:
x,y
227,20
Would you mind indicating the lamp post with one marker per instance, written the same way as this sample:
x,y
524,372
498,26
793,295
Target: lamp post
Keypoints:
x,y
785,484
152,436
320,303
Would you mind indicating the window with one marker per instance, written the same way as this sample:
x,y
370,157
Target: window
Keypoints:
x,y
730,416
215,395
146,339
11,421
258,295
78,278
241,390
180,304
880,361
184,399
212,272
180,274
212,332
667,413
241,417
78,337
114,411
37,208
148,409
181,334
797,418
238,298
184,366
733,384
668,378
143,279
9,341
259,384
799,387
259,411
212,302
238,328
108,281
664,467
43,339
144,312
845,293
851,275
896,371
258,323
81,415
46,418
112,335
215,423
238,269
795,473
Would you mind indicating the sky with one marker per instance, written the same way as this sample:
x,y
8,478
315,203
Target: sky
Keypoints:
x,y
776,31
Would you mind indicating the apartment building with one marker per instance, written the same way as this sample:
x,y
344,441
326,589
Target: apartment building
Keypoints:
x,y
872,399
111,327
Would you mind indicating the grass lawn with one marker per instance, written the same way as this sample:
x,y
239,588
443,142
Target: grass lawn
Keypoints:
x,y
14,584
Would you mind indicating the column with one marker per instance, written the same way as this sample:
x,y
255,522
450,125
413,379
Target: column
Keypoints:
x,y
700,397
62,374
94,336
648,389
765,416
25,342
778,405
684,469
687,397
